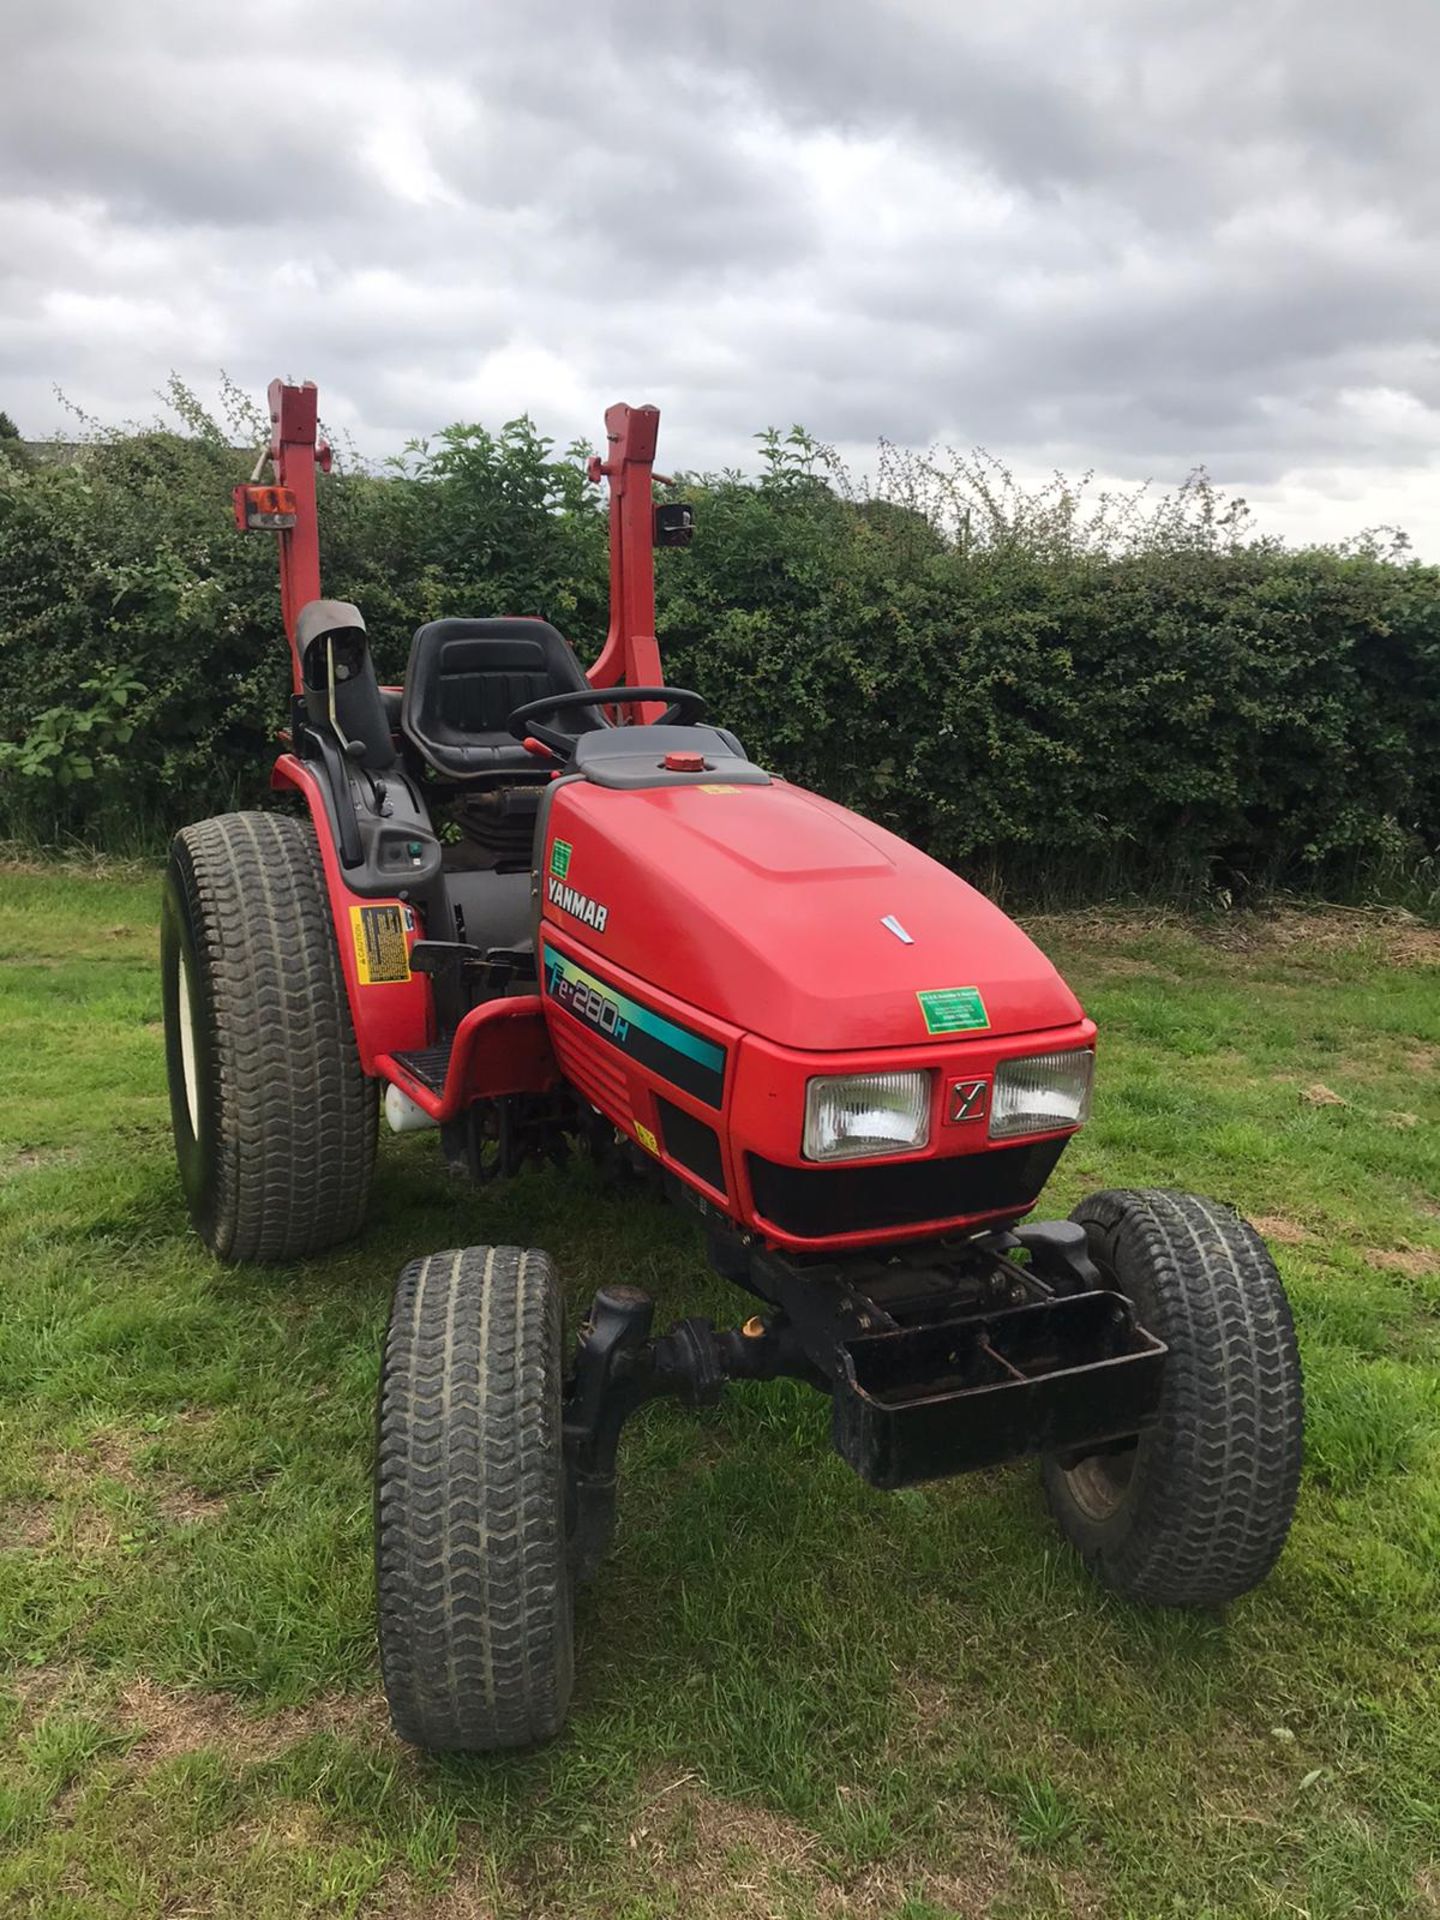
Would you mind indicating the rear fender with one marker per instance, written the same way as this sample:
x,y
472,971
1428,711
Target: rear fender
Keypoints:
x,y
392,1014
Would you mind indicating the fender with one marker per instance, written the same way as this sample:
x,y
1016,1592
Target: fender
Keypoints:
x,y
390,1016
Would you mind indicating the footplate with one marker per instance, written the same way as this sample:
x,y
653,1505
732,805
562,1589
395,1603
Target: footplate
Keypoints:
x,y
919,1403
428,1065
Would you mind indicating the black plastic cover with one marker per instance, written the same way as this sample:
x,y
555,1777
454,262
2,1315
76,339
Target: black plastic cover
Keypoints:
x,y
630,757
334,630
695,1145
920,1403
674,525
848,1197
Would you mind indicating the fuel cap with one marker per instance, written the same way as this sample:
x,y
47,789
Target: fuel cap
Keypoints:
x,y
684,763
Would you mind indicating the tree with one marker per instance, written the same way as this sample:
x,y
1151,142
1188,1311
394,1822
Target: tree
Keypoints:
x,y
13,451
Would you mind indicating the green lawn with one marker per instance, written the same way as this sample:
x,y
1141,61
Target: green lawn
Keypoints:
x,y
796,1696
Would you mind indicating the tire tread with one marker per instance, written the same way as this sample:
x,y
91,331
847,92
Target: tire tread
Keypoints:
x,y
473,1587
1216,1480
296,1115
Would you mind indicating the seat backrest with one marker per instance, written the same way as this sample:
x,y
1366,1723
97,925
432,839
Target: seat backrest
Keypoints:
x,y
481,682
465,679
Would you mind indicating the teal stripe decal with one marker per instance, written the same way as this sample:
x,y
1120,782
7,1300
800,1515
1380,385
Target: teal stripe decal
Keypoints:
x,y
694,1045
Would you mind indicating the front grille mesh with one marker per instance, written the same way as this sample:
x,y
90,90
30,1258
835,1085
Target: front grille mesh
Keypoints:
x,y
816,1202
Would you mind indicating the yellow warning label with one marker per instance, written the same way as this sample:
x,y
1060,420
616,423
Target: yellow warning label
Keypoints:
x,y
381,954
646,1139
716,786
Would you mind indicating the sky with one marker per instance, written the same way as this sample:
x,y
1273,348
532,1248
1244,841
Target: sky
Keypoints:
x,y
1133,236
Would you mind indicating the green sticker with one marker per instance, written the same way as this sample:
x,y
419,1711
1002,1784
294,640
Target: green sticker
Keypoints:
x,y
560,858
953,1009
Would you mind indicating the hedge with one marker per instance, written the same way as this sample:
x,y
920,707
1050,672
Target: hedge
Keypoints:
x,y
1155,703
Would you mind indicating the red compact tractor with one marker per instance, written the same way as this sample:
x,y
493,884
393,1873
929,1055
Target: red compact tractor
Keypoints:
x,y
539,909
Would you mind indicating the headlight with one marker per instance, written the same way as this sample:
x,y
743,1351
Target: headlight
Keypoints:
x,y
1041,1093
848,1115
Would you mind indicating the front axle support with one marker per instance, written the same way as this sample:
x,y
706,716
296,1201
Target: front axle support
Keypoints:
x,y
950,1360
618,1367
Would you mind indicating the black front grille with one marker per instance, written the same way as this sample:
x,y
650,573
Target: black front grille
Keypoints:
x,y
815,1202
692,1143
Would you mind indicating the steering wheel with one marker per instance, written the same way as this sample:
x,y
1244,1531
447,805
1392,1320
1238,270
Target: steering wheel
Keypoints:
x,y
684,710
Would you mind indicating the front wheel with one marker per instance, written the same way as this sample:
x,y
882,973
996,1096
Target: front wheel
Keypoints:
x,y
1194,1511
475,1604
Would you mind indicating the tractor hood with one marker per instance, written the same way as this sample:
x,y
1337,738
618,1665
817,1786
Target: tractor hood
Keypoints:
x,y
788,917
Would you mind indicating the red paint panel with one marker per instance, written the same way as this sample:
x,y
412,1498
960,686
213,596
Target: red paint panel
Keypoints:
x,y
766,906
619,1086
768,1098
763,1106
766,1116
390,1016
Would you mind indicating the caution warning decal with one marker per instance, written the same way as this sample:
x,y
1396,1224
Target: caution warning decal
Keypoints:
x,y
381,952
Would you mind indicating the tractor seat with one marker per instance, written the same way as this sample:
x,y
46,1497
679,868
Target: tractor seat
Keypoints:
x,y
466,678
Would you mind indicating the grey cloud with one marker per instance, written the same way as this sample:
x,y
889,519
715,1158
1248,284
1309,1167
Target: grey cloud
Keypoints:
x,y
1133,236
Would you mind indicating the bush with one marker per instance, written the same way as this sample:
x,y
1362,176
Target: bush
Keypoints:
x,y
1050,691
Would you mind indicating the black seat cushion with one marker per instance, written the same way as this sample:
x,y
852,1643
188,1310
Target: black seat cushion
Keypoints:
x,y
466,678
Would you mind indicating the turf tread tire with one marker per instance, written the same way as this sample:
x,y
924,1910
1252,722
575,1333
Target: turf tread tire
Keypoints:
x,y
1214,1484
282,1163
474,1598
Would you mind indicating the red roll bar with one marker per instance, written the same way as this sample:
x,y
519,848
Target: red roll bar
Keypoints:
x,y
631,654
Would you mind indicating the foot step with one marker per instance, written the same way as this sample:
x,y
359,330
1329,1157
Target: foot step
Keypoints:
x,y
428,1065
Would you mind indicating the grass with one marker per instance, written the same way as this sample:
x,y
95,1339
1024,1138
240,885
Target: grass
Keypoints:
x,y
797,1697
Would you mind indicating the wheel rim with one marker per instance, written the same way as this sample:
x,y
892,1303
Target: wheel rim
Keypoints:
x,y
1100,1483
185,1010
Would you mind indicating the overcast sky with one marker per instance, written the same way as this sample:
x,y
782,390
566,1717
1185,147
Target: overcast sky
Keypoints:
x,y
1134,235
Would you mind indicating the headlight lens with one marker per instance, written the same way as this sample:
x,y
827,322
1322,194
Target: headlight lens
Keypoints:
x,y
1042,1093
849,1115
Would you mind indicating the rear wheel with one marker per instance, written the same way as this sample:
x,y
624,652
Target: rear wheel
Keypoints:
x,y
1196,1510
274,1121
473,1582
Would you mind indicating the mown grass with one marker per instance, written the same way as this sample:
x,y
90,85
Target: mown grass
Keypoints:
x,y
797,1696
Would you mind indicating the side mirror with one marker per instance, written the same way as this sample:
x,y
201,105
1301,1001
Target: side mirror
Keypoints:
x,y
674,526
